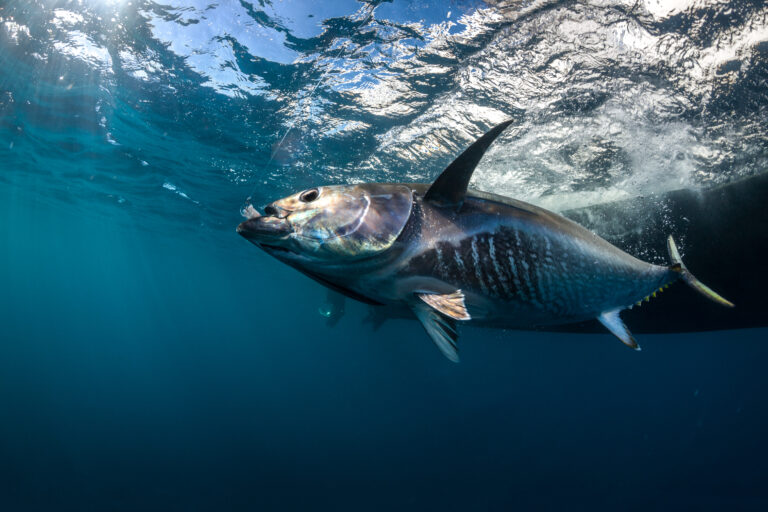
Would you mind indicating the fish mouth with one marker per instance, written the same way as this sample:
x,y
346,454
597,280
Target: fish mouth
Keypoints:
x,y
265,230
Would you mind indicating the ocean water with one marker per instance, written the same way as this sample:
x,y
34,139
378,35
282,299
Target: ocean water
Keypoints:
x,y
152,359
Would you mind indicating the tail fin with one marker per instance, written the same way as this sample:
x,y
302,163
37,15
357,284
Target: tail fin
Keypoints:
x,y
690,279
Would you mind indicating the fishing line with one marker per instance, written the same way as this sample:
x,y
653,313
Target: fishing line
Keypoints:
x,y
247,206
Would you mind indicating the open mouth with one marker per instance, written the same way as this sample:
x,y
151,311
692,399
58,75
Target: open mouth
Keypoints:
x,y
265,230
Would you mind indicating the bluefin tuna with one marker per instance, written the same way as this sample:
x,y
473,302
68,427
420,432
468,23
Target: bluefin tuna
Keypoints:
x,y
453,255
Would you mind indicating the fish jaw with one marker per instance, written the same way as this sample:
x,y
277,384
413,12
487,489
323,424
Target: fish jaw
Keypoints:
x,y
265,230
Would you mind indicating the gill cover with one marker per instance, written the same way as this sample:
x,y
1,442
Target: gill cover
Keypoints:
x,y
349,222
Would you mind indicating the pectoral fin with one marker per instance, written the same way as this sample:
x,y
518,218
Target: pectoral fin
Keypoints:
x,y
449,304
440,328
612,322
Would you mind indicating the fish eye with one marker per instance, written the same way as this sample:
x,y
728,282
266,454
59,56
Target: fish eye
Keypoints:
x,y
309,195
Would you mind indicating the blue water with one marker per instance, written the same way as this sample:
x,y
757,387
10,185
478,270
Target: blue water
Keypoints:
x,y
151,359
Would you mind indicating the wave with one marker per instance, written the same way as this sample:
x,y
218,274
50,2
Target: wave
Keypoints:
x,y
179,110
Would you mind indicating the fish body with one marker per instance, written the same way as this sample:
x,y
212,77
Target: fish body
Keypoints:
x,y
453,255
518,266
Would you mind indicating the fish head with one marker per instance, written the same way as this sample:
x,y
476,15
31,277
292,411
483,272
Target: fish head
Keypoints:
x,y
332,224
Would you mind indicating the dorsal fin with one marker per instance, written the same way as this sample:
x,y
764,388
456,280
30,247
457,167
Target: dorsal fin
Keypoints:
x,y
450,187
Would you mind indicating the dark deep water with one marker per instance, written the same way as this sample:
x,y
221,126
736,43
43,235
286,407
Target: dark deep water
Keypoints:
x,y
151,359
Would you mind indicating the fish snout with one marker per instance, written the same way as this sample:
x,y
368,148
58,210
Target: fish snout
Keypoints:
x,y
263,229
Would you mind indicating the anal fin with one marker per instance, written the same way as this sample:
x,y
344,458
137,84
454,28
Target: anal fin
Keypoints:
x,y
440,328
612,321
449,304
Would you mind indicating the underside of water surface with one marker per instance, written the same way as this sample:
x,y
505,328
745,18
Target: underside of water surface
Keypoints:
x,y
130,104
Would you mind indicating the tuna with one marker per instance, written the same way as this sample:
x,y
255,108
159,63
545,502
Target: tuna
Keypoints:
x,y
453,255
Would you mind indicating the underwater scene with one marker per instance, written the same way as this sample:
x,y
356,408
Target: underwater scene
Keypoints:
x,y
383,255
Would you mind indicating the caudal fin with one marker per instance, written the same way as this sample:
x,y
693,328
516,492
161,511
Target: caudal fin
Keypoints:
x,y
690,279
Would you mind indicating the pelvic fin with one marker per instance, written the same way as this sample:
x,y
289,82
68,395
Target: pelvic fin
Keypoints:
x,y
440,328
